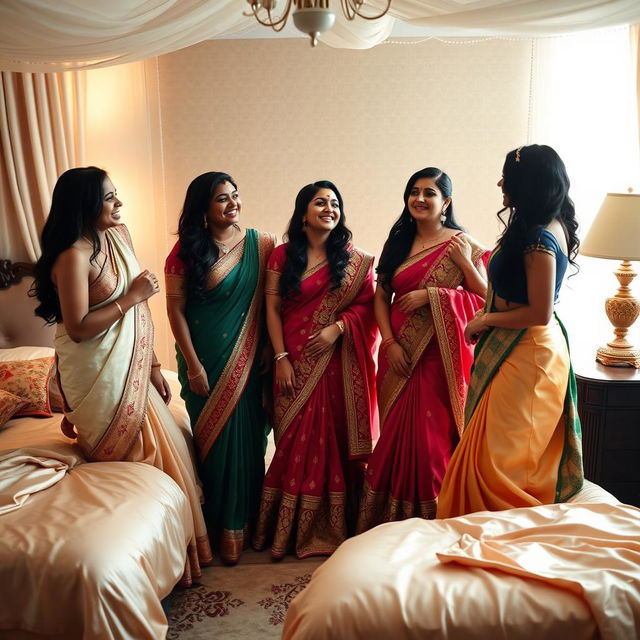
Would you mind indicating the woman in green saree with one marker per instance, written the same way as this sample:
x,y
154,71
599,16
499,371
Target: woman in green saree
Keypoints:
x,y
215,284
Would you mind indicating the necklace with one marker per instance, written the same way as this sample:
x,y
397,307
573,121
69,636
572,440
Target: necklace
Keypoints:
x,y
431,242
222,245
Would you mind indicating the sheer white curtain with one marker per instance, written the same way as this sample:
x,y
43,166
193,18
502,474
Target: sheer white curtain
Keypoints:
x,y
584,104
41,135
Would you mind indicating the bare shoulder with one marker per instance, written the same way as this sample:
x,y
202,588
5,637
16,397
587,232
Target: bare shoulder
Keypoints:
x,y
71,262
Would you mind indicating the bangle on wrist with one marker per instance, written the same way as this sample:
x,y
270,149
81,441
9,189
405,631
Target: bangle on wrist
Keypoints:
x,y
119,308
197,375
280,356
340,325
156,364
387,342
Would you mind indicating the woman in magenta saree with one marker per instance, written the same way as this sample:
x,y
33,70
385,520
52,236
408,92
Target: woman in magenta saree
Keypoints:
x,y
322,328
436,276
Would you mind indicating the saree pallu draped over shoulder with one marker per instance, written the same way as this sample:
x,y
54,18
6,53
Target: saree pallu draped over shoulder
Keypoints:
x,y
422,415
116,412
324,432
522,441
230,426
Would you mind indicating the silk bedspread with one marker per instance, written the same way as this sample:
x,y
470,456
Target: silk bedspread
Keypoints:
x,y
569,570
92,555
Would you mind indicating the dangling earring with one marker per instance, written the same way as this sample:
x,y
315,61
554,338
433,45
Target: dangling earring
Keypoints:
x,y
304,223
443,216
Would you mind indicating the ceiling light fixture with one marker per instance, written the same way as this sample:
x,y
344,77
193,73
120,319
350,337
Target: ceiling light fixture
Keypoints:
x,y
312,17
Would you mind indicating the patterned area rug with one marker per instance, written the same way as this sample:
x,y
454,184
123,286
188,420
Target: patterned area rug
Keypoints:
x,y
245,602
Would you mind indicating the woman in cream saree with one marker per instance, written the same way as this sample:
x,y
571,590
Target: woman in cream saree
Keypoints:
x,y
110,381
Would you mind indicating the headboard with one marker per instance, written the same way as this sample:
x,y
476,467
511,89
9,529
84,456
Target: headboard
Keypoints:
x,y
19,326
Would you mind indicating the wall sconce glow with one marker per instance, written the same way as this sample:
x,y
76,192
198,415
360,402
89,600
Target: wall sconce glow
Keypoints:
x,y
312,17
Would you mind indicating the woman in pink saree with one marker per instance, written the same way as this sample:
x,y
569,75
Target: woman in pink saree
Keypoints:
x,y
320,319
431,282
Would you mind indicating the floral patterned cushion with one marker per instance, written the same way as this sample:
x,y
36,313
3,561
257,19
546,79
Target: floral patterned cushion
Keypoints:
x,y
29,380
9,405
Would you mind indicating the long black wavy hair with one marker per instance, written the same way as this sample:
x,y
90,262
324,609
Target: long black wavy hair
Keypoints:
x,y
398,243
197,248
536,184
76,205
336,247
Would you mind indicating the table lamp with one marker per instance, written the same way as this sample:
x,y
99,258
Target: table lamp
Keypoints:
x,y
615,234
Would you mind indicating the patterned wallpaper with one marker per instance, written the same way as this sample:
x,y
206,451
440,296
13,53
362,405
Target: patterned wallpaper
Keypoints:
x,y
276,114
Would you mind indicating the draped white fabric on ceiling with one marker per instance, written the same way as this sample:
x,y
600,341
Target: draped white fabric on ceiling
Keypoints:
x,y
40,35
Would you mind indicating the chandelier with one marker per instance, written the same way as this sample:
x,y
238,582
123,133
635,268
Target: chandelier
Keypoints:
x,y
312,17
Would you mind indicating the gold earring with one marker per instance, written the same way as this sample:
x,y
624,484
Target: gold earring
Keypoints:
x,y
206,223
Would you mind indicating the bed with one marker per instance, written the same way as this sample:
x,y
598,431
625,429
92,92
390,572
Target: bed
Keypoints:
x,y
86,550
558,572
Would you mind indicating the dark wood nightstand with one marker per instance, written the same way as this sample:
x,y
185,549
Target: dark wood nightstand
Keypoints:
x,y
609,408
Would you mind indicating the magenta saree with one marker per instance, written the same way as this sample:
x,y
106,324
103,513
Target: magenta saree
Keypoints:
x,y
325,431
421,416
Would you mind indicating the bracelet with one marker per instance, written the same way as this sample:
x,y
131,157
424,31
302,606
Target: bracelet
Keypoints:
x,y
279,356
387,342
340,324
119,308
197,374
156,364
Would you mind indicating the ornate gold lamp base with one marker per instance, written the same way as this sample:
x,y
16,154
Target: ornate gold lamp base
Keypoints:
x,y
622,310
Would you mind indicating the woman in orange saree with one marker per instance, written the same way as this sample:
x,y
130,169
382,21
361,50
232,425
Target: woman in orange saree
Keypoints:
x,y
320,318
436,275
89,282
521,445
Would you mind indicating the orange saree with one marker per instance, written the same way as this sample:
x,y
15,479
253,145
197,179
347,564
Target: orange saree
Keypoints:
x,y
325,431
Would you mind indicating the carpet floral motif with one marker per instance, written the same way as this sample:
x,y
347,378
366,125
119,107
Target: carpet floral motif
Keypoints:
x,y
283,594
192,606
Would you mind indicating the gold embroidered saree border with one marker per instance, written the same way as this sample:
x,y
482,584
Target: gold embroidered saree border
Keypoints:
x,y
122,433
285,409
419,328
226,264
305,515
224,398
377,507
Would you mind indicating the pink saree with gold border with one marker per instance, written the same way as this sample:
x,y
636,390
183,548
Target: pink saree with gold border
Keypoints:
x,y
325,431
421,416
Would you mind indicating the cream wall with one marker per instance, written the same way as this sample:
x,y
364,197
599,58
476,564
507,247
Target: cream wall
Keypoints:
x,y
277,114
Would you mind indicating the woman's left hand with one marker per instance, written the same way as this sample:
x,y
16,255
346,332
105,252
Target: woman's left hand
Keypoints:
x,y
459,250
413,300
161,385
476,327
322,340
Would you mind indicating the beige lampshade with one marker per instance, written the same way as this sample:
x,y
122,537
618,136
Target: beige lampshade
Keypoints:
x,y
615,233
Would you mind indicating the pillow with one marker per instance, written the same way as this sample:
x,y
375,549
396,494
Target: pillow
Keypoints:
x,y
31,353
29,379
9,405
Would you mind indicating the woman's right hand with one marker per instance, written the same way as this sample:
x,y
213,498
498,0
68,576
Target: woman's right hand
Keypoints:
x,y
198,383
285,378
399,360
143,286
